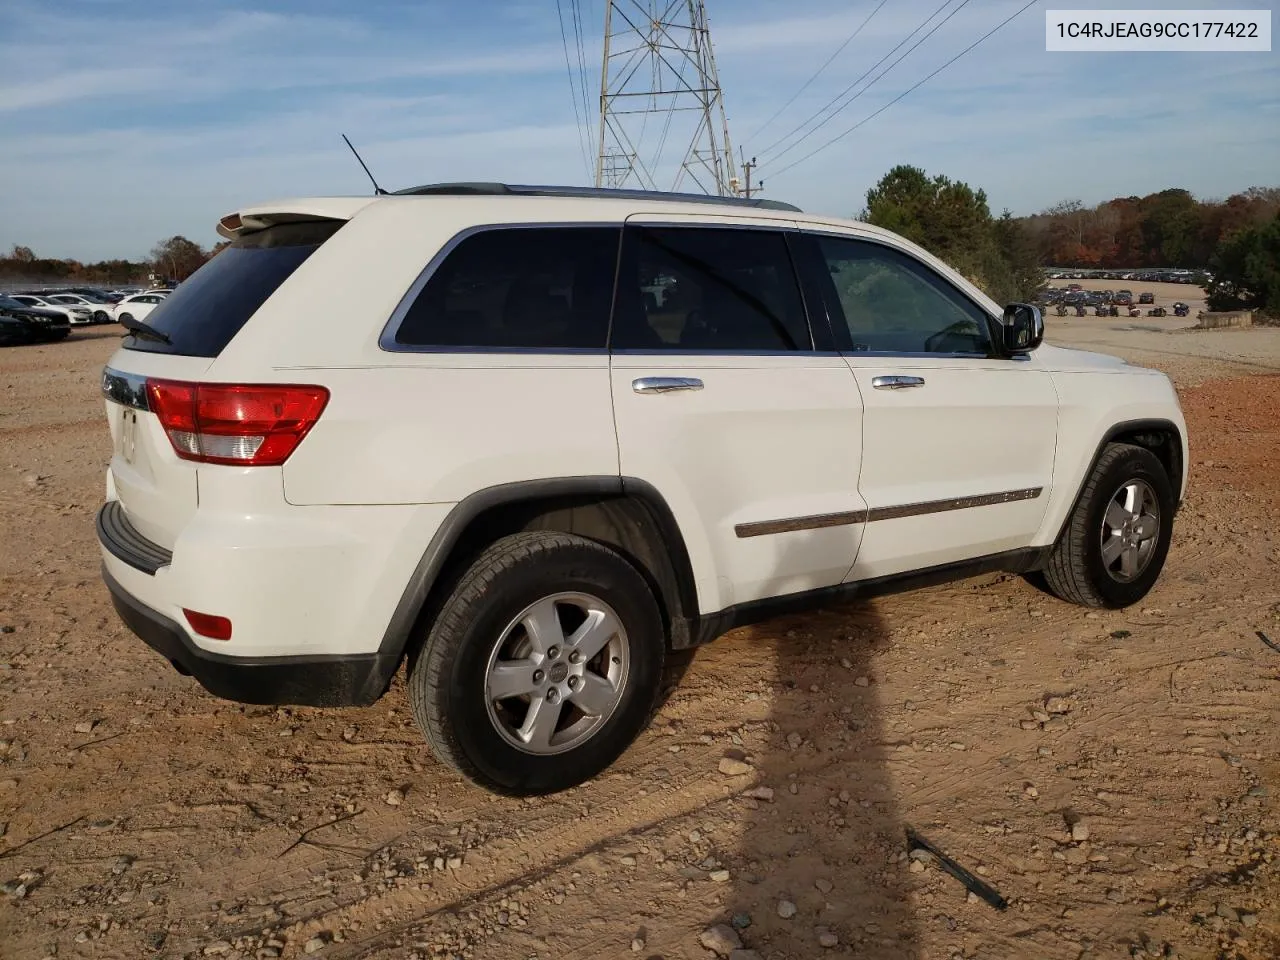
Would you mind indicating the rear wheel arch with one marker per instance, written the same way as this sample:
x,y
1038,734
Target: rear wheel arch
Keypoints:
x,y
626,514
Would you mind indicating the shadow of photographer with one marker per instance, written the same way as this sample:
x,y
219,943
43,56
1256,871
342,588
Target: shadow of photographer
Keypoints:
x,y
820,866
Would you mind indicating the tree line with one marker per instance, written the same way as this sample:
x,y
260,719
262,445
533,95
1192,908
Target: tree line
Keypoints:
x,y
1236,239
1166,229
174,259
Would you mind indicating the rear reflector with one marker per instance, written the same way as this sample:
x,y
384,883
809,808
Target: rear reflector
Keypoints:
x,y
207,625
244,425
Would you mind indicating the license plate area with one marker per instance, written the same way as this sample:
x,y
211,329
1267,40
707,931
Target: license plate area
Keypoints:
x,y
127,435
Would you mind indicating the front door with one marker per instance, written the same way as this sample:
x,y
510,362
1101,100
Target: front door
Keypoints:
x,y
749,429
958,442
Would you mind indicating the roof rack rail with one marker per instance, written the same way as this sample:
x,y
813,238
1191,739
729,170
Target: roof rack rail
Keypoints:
x,y
484,189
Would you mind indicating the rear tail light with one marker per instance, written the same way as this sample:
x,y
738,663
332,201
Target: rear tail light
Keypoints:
x,y
208,625
238,424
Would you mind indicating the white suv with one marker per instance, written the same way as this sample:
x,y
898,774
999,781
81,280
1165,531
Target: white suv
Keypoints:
x,y
527,440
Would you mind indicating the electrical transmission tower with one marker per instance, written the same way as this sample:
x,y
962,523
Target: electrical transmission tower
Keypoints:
x,y
659,87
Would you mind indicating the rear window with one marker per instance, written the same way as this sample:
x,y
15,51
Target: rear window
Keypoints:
x,y
518,288
210,307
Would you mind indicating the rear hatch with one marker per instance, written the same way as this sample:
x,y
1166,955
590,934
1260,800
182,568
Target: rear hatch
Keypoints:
x,y
153,471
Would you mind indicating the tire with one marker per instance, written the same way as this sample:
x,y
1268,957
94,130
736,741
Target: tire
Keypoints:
x,y
100,316
480,627
1079,570
124,318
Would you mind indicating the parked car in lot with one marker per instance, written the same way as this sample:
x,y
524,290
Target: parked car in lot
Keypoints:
x,y
75,314
1146,298
137,306
101,309
454,429
1123,298
21,323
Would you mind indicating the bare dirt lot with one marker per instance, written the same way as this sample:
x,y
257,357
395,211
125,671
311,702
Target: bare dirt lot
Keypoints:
x,y
1114,775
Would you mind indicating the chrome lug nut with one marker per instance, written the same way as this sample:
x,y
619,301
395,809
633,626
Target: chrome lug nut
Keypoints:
x,y
553,653
553,695
573,683
575,657
538,676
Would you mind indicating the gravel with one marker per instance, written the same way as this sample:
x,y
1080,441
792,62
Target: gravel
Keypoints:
x,y
722,939
786,909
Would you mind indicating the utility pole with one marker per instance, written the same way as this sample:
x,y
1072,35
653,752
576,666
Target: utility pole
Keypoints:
x,y
747,189
659,87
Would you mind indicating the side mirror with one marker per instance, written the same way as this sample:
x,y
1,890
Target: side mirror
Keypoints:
x,y
1022,328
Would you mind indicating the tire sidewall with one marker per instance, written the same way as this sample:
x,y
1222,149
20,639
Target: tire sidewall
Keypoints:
x,y
464,712
1136,464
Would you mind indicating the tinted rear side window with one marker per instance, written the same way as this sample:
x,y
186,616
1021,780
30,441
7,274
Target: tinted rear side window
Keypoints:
x,y
694,289
521,288
210,307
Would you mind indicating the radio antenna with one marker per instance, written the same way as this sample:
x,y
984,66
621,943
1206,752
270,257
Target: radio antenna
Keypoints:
x,y
376,189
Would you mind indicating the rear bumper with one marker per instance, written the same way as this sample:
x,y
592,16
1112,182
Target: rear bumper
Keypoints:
x,y
317,681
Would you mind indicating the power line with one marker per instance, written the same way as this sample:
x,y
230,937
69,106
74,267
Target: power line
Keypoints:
x,y
911,88
583,139
817,73
582,66
827,106
872,82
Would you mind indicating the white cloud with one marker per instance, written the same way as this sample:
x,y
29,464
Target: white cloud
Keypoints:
x,y
80,85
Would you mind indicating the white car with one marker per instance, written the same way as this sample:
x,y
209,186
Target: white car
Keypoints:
x,y
76,314
101,309
137,306
455,429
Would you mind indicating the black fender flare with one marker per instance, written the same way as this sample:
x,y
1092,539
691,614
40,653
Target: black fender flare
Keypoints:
x,y
1126,427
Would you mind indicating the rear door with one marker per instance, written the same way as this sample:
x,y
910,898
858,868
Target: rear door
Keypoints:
x,y
724,400
155,487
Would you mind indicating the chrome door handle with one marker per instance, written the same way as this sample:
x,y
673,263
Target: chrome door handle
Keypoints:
x,y
665,384
896,383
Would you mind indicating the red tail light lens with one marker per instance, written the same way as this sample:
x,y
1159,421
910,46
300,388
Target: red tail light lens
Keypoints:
x,y
247,425
208,625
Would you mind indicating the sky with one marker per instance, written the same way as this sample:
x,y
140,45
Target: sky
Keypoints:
x,y
123,122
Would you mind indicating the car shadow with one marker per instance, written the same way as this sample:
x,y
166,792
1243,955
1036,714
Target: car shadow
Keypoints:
x,y
821,868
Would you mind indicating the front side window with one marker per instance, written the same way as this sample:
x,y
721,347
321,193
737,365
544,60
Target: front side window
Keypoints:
x,y
518,288
694,289
893,303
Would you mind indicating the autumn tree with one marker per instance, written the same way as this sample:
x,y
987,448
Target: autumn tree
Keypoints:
x,y
177,258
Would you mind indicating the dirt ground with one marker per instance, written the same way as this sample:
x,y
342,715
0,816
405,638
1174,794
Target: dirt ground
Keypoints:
x,y
140,817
